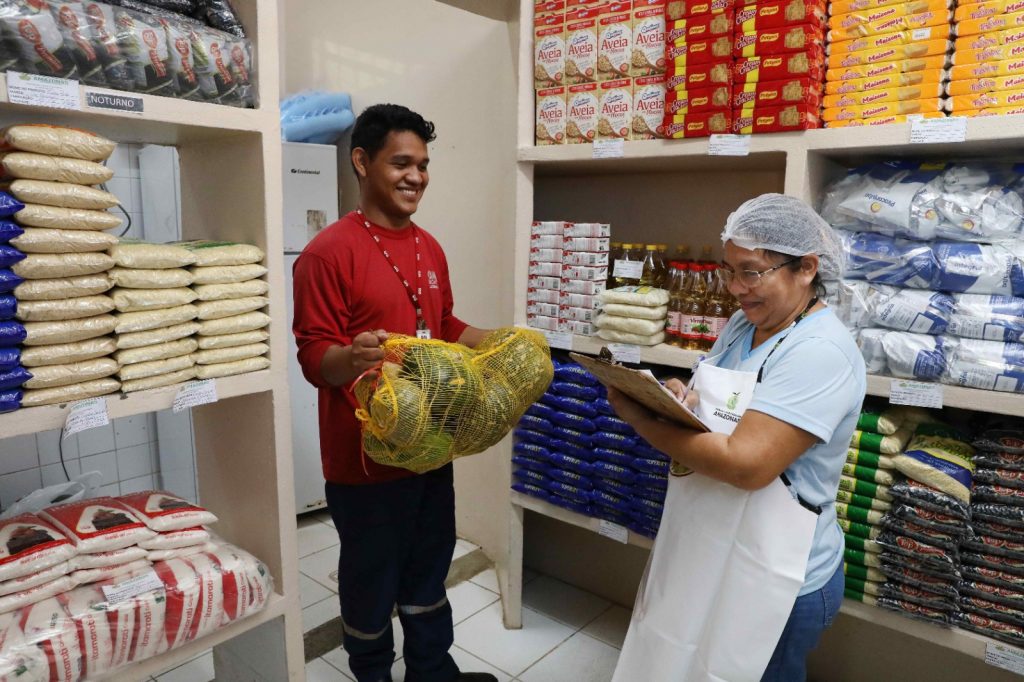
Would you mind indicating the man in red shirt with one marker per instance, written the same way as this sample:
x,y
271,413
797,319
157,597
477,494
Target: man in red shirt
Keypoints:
x,y
371,273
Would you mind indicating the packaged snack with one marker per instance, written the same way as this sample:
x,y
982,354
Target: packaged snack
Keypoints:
x,y
697,75
778,41
145,47
648,108
993,53
707,51
550,116
808,63
681,9
992,84
895,10
548,51
1007,38
37,38
994,111
775,119
648,48
892,80
879,27
99,524
883,95
889,53
889,68
986,26
615,109
985,100
698,125
882,109
614,41
581,45
699,28
776,93
979,10
760,16
681,102
847,6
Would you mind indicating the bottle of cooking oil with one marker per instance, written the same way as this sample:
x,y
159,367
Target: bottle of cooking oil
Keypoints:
x,y
676,304
682,254
649,276
631,255
707,254
661,260
716,310
693,310
614,253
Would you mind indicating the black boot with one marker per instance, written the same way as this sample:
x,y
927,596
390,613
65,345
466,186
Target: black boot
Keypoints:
x,y
476,677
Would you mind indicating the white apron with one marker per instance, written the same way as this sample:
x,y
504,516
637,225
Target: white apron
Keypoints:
x,y
725,569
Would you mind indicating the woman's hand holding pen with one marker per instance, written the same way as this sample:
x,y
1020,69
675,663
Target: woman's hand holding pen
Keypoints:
x,y
683,393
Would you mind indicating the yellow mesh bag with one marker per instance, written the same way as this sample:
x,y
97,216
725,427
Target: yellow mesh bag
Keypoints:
x,y
434,401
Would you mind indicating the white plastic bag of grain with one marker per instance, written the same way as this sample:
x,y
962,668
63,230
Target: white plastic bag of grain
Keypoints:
x,y
29,544
20,661
634,339
120,619
134,300
211,615
54,265
154,319
150,637
163,511
219,292
65,287
629,325
67,394
36,594
130,278
27,582
637,312
226,274
167,554
155,336
86,576
183,591
61,194
67,331
158,351
47,624
37,215
239,591
209,253
46,240
104,559
234,324
31,166
130,253
143,370
634,295
226,369
63,353
176,539
159,381
88,609
52,376
214,310
216,355
100,524
232,340
57,141
68,309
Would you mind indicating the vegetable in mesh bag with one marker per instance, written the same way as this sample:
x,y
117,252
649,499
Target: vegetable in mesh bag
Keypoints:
x,y
226,369
146,320
99,524
135,300
29,544
64,287
53,376
163,511
211,253
38,39
226,274
67,331
84,50
144,45
233,340
158,381
66,394
215,310
32,166
132,278
155,336
69,309
61,194
47,240
210,357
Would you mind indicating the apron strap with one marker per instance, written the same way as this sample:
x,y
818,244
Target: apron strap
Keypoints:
x,y
803,503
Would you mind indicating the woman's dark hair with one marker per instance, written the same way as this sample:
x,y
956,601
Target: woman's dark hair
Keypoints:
x,y
373,125
778,257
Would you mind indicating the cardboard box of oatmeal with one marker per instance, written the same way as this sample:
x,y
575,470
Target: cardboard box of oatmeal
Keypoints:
x,y
648,108
548,51
615,109
550,116
614,41
648,56
581,106
581,44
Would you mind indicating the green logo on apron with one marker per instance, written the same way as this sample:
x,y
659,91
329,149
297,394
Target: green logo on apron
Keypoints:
x,y
731,402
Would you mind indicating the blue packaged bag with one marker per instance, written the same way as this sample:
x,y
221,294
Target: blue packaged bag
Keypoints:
x,y
570,371
571,477
572,436
616,471
613,456
611,501
643,527
530,476
563,403
528,421
613,425
647,451
648,507
651,481
979,316
979,268
531,450
574,390
572,505
884,260
575,450
9,205
8,281
540,466
551,400
571,463
9,256
915,356
9,358
650,493
14,378
531,490
531,436
10,401
614,487
11,333
574,421
573,492
540,410
604,407
651,466
8,307
9,231
613,515
614,441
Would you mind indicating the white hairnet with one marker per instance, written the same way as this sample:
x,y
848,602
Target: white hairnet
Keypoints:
x,y
777,222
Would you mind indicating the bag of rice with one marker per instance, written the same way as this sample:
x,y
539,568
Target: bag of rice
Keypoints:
x,y
226,274
130,278
52,376
211,614
68,309
163,511
149,637
20,660
146,320
210,253
167,554
67,394
38,215
34,595
130,253
176,539
99,524
629,325
941,463
215,310
634,339
56,141
134,300
63,353
183,592
105,559
67,287
155,336
28,544
636,311
47,624
53,265
159,381
158,351
634,295
66,331
31,166
143,370
232,340
210,357
62,194
45,240
9,230
224,369
88,609
885,445
85,576
885,422
219,292
234,324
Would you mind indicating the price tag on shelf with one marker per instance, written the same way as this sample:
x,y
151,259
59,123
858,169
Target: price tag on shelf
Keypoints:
x,y
133,587
729,145
625,352
916,393
929,130
1005,657
613,531
86,414
194,394
43,91
561,340
608,149
628,269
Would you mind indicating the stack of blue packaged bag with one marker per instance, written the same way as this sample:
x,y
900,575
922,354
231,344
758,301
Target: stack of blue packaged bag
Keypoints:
x,y
12,332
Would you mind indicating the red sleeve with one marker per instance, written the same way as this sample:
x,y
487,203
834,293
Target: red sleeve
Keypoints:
x,y
321,314
451,326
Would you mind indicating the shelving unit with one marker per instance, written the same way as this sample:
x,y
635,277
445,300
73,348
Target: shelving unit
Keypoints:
x,y
674,191
231,190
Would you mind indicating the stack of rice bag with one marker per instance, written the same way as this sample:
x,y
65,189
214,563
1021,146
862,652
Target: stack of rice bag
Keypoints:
x,y
987,78
633,314
232,327
886,60
12,373
62,301
573,451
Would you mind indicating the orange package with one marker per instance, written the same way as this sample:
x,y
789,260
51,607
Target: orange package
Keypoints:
x,y
847,6
879,69
809,63
679,102
860,99
892,24
698,75
980,10
548,51
778,41
917,106
683,9
922,35
1000,111
760,16
782,119
892,80
1013,36
999,22
701,52
892,53
776,93
648,38
966,72
648,108
699,28
581,45
985,100
881,120
698,125
614,41
975,86
995,53
869,16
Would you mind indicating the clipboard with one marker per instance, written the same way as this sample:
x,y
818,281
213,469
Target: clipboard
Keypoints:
x,y
641,386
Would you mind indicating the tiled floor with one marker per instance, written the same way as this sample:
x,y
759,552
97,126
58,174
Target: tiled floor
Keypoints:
x,y
567,634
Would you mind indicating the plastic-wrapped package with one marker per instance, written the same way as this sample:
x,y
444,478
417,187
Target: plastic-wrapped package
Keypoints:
x,y
38,39
62,353
47,625
114,557
220,292
130,253
227,274
132,278
215,310
993,318
10,230
915,356
62,288
177,539
51,140
66,394
990,365
49,240
54,265
158,381
10,358
21,661
30,544
79,41
884,260
69,309
156,336
105,34
52,376
865,304
144,45
148,320
100,524
159,351
220,14
86,576
68,331
12,333
163,511
53,168
14,378
144,370
134,300
209,253
979,268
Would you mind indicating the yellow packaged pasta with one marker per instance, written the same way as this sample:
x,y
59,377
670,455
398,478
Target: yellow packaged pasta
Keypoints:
x,y
892,80
911,22
912,92
989,24
974,86
993,53
905,38
985,100
897,52
847,6
916,106
875,14
884,68
881,120
995,111
966,11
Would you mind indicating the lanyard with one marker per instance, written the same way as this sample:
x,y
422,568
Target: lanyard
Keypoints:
x,y
760,370
414,296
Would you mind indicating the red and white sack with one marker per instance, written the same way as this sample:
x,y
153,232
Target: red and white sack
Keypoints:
x,y
86,576
27,582
162,511
48,625
30,596
105,559
253,581
211,607
176,539
183,594
29,544
20,661
156,555
148,638
87,607
101,524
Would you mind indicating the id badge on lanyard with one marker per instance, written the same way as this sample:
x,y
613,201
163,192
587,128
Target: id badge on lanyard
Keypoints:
x,y
422,333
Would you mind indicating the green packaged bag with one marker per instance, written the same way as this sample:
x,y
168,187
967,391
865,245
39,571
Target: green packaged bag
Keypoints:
x,y
868,474
862,501
865,488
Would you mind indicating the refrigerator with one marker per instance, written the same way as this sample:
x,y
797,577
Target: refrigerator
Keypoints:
x,y
311,199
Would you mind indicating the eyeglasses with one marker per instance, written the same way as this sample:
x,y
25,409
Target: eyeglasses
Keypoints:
x,y
751,278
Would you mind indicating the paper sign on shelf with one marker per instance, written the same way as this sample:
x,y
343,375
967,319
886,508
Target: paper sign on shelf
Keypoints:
x,y
43,91
1005,657
929,130
625,352
560,340
613,531
608,149
628,269
194,394
86,414
133,587
915,393
729,145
